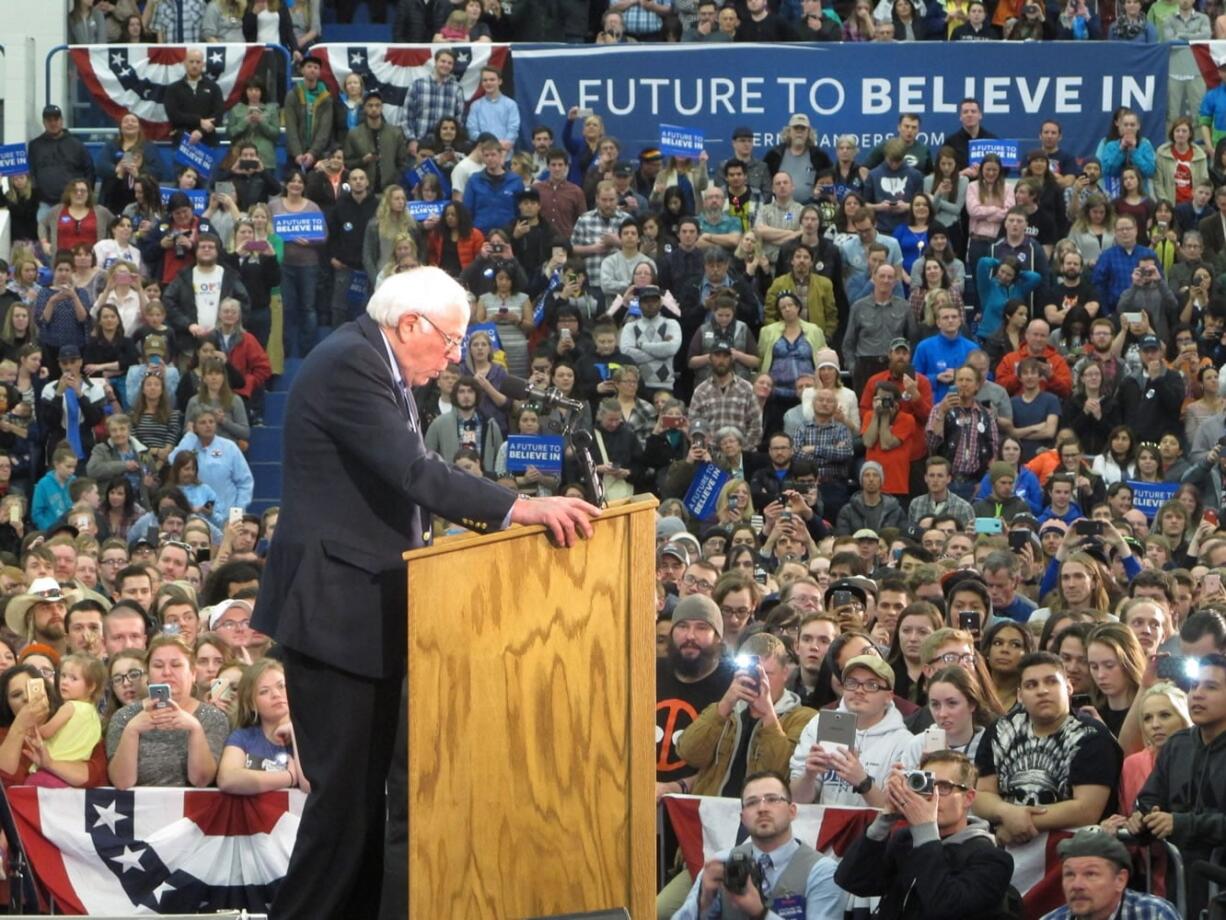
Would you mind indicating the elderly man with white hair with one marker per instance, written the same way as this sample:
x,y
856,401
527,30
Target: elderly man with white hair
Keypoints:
x,y
359,489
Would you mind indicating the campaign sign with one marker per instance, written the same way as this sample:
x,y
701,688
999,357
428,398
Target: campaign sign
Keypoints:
x,y
413,176
306,226
13,159
542,451
676,141
197,156
1008,151
1150,496
424,210
490,329
199,197
704,490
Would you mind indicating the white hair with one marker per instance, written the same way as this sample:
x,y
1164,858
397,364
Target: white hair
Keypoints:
x,y
428,291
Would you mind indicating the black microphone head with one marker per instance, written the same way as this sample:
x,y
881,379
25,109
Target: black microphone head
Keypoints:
x,y
516,388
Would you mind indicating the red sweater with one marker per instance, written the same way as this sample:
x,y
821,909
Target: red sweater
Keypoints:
x,y
249,358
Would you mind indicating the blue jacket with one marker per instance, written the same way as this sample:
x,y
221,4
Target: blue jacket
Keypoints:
x,y
490,200
1025,486
936,354
51,500
993,294
1213,110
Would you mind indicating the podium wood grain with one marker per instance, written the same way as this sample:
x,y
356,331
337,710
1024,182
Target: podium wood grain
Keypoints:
x,y
531,690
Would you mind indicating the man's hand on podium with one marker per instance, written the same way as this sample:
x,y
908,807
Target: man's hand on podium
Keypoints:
x,y
568,519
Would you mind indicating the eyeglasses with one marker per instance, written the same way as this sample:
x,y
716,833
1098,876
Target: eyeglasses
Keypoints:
x,y
127,677
868,686
956,658
738,612
692,582
231,625
944,787
453,342
771,798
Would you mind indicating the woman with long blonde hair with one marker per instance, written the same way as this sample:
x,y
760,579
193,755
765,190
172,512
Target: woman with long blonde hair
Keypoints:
x,y
392,218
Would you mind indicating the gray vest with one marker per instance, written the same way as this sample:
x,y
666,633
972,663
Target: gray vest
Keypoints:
x,y
792,882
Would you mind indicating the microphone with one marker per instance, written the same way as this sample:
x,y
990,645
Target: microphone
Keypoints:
x,y
552,397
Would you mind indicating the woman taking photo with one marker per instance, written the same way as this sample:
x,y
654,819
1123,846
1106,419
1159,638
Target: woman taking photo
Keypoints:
x,y
1004,645
960,709
260,756
108,352
122,160
166,742
947,186
212,657
256,263
933,278
510,309
1090,412
22,750
988,199
1116,662
299,270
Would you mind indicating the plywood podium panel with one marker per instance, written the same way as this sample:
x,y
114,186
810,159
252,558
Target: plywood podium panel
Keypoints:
x,y
531,676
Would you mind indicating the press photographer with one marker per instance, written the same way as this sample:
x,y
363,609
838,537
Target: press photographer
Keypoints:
x,y
781,877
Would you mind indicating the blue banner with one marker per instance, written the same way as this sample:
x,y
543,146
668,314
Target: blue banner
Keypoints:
x,y
424,210
676,141
1150,496
1010,152
358,291
490,329
542,451
13,160
199,197
844,89
414,175
309,225
198,156
703,493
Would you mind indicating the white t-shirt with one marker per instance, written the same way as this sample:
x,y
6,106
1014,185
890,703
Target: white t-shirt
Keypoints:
x,y
267,27
108,252
207,285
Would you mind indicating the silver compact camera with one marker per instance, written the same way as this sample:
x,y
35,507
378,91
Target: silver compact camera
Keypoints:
x,y
921,781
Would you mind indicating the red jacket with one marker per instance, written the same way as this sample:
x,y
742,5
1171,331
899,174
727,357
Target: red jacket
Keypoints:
x,y
249,358
1060,382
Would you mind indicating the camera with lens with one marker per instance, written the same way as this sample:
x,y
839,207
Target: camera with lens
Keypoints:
x,y
920,781
739,870
887,402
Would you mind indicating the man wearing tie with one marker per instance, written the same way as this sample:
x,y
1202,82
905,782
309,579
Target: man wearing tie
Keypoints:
x,y
359,489
792,878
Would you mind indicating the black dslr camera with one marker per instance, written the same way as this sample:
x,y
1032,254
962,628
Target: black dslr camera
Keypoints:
x,y
739,870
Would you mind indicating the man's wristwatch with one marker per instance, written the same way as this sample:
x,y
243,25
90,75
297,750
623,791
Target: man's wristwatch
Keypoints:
x,y
863,786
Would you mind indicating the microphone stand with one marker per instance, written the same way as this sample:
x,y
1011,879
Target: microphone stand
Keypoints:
x,y
580,442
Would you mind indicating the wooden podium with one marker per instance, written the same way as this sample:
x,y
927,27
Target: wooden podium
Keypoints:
x,y
531,674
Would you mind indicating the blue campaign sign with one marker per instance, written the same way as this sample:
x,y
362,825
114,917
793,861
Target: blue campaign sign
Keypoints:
x,y
1150,496
715,88
13,160
199,197
413,176
542,451
704,490
1010,152
424,210
676,141
306,226
490,329
197,156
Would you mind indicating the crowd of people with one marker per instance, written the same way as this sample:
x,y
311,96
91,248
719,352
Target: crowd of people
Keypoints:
x,y
938,394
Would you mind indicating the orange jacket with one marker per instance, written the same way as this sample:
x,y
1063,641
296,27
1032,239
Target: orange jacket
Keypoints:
x,y
1060,382
467,249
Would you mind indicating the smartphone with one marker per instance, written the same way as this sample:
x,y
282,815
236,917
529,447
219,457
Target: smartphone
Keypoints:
x,y
1078,700
564,334
1211,516
204,553
1176,667
225,188
14,514
160,694
1132,318
969,621
759,575
221,689
1018,539
585,113
842,599
1212,585
1088,528
236,516
989,525
748,664
671,421
836,730
934,739
36,689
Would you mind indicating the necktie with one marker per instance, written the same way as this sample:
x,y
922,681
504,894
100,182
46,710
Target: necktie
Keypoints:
x,y
764,864
410,405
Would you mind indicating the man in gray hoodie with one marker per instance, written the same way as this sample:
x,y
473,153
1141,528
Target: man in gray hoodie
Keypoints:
x,y
870,508
945,863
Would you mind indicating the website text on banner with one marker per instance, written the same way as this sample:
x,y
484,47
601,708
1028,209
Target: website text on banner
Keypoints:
x,y
713,89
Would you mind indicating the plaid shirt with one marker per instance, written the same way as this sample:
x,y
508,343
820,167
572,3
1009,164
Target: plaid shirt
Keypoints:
x,y
589,228
923,506
1135,906
642,22
734,404
961,432
166,20
832,449
429,101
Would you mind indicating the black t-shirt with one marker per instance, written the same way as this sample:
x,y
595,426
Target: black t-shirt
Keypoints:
x,y
678,704
1033,770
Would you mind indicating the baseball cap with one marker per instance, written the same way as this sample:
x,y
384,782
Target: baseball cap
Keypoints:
x,y
864,533
720,346
69,353
623,168
52,111
798,119
650,154
648,290
676,550
155,345
1149,341
742,131
900,342
872,663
